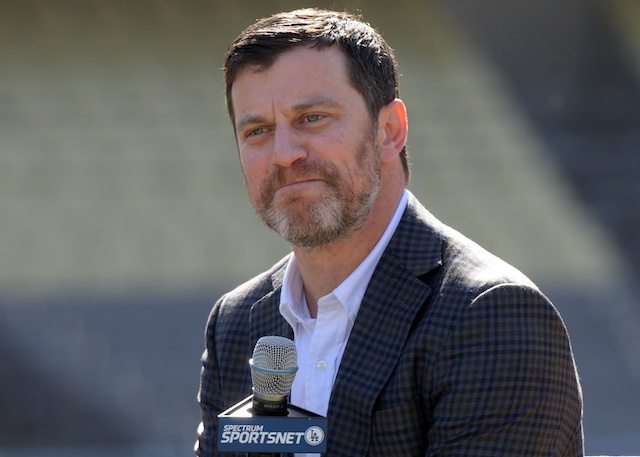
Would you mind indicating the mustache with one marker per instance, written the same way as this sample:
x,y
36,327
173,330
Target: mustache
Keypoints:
x,y
280,177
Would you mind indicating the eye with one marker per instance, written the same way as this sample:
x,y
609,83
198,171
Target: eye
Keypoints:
x,y
256,132
313,117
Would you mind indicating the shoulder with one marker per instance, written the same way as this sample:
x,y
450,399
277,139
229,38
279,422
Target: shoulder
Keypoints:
x,y
474,281
467,262
256,287
463,276
236,304
426,245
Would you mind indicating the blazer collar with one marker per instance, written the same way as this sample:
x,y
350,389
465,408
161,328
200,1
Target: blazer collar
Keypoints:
x,y
417,242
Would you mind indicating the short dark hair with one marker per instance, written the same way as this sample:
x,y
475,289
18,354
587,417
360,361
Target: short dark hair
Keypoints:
x,y
371,63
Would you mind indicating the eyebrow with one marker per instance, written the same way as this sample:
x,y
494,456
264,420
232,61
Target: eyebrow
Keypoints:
x,y
316,101
249,119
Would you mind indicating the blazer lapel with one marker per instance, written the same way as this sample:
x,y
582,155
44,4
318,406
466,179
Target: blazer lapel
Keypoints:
x,y
394,297
265,318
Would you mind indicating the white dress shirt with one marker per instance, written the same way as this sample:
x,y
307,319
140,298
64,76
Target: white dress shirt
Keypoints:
x,y
320,342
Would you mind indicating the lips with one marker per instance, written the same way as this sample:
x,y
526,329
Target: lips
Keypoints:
x,y
301,183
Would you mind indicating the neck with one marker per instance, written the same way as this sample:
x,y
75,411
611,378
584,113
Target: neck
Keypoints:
x,y
323,269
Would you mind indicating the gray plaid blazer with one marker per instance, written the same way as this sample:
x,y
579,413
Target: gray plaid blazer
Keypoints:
x,y
453,352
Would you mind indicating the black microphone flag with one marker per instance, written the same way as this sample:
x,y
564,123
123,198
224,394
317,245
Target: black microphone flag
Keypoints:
x,y
264,422
239,430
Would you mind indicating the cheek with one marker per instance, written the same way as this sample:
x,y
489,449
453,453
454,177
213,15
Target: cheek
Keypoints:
x,y
254,172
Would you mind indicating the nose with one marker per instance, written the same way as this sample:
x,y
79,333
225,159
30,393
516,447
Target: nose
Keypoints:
x,y
287,147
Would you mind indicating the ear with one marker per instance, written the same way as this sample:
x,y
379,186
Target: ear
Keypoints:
x,y
392,129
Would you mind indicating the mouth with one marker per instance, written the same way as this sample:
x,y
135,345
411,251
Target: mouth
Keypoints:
x,y
299,191
307,180
302,183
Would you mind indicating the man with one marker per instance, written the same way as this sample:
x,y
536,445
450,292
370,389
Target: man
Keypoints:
x,y
411,339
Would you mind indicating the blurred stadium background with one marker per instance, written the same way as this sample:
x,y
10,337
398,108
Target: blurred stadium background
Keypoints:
x,y
123,214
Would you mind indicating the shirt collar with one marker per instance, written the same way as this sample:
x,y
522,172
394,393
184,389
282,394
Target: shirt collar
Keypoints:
x,y
292,303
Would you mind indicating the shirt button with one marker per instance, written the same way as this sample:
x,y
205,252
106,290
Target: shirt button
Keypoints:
x,y
321,365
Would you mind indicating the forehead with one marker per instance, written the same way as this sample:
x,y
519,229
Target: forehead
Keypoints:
x,y
300,72
304,52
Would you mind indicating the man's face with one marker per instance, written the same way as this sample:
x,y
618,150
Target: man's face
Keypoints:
x,y
307,145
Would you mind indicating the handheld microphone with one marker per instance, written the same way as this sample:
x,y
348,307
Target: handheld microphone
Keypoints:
x,y
273,367
264,424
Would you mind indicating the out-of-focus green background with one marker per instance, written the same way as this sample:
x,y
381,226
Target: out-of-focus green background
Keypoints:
x,y
123,213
